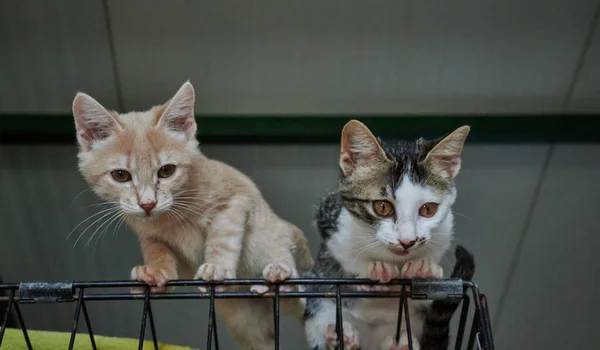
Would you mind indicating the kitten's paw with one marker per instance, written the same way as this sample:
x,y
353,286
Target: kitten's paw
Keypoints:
x,y
260,289
150,275
279,272
390,344
351,340
211,273
382,272
421,269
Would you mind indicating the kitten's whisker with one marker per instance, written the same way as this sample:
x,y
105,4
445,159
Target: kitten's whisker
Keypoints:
x,y
92,224
194,190
197,208
194,203
180,218
115,217
463,215
78,194
186,208
196,193
88,218
208,209
363,248
131,208
367,244
119,222
108,220
198,198
103,203
176,209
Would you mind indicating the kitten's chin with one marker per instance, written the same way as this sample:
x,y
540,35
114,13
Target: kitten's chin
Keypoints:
x,y
143,216
400,252
403,253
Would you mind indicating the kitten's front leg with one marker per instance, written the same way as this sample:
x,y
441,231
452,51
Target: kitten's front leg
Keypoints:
x,y
224,244
159,266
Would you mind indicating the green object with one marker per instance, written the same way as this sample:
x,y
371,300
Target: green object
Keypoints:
x,y
44,340
327,129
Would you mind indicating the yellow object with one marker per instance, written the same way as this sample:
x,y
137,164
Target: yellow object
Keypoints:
x,y
44,340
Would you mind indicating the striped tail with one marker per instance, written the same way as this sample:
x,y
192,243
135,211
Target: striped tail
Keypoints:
x,y
436,330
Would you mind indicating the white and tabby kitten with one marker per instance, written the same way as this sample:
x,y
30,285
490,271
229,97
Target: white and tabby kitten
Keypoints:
x,y
390,218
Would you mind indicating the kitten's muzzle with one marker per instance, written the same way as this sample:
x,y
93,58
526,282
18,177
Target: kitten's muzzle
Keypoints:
x,y
148,206
395,247
405,244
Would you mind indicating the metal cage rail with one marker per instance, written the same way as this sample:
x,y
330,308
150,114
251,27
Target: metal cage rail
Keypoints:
x,y
423,289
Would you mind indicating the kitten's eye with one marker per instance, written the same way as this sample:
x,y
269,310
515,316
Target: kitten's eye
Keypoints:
x,y
120,175
428,210
383,208
166,171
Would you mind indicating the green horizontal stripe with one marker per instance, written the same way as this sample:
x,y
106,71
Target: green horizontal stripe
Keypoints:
x,y
318,129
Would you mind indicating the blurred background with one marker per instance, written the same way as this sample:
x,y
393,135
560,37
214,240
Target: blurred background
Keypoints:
x,y
526,208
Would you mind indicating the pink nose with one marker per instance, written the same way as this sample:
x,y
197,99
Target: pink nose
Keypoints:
x,y
407,244
148,206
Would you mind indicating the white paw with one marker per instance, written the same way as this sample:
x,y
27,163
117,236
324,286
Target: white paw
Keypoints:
x,y
260,289
212,272
351,340
279,272
150,275
382,272
421,269
390,344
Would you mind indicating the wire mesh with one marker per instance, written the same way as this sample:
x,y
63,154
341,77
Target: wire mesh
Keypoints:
x,y
480,334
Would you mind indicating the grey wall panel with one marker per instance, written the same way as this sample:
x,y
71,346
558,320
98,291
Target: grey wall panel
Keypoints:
x,y
41,204
550,304
51,49
351,56
586,95
495,188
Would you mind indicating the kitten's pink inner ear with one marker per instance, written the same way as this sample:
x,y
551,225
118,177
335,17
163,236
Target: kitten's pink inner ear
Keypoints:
x,y
178,112
359,147
445,156
92,121
347,164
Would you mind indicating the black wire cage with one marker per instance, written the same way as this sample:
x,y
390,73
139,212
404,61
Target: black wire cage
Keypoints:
x,y
13,295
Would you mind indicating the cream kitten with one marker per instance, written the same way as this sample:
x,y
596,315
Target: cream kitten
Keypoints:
x,y
194,216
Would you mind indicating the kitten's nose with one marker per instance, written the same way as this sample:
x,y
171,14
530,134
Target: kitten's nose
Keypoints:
x,y
148,206
407,244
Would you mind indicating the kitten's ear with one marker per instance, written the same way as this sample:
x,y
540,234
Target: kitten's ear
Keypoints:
x,y
359,147
444,157
178,112
92,121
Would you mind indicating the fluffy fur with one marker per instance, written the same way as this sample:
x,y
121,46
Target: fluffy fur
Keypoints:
x,y
413,178
194,216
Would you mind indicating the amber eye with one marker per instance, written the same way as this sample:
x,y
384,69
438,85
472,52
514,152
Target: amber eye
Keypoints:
x,y
166,171
383,208
428,209
120,175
